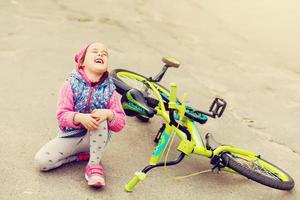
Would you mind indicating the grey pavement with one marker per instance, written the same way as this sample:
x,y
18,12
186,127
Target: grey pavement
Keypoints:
x,y
245,52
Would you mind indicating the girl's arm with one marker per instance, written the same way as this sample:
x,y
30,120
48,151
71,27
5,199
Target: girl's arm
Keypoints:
x,y
65,114
119,118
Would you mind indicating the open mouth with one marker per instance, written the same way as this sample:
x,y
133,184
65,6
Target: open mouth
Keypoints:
x,y
98,60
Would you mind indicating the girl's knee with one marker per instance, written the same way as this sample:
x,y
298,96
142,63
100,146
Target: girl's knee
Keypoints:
x,y
42,163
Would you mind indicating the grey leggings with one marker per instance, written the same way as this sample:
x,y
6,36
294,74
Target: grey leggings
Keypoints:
x,y
64,150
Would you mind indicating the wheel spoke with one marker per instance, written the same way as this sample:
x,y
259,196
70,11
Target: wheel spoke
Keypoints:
x,y
255,165
261,168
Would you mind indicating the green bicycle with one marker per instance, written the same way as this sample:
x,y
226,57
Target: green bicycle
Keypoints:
x,y
144,97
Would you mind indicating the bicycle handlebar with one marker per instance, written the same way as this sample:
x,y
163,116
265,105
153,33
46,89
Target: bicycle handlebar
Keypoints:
x,y
172,103
216,109
173,99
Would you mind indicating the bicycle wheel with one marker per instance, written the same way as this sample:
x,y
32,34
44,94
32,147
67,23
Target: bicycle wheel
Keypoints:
x,y
125,80
258,170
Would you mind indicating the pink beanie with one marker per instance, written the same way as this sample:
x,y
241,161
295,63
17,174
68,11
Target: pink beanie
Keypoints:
x,y
78,57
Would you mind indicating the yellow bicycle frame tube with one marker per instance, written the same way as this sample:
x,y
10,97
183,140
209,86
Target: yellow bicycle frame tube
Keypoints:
x,y
200,147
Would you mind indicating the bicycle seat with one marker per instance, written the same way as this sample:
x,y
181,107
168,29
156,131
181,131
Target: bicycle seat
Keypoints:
x,y
134,103
170,62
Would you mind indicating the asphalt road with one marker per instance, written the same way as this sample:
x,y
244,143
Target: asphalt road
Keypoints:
x,y
245,52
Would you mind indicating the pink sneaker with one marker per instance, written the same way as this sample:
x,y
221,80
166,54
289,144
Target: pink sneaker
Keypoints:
x,y
94,175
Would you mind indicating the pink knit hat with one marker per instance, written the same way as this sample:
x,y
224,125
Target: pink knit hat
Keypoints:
x,y
80,55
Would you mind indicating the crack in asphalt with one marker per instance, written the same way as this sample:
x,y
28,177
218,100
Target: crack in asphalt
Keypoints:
x,y
271,140
265,135
284,146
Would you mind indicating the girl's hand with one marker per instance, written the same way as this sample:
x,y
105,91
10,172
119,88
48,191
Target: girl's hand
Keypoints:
x,y
87,121
102,114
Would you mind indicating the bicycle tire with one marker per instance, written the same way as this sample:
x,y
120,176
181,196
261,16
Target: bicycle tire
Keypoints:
x,y
275,177
122,87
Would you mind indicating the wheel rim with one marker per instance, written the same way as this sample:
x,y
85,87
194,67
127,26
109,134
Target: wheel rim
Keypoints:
x,y
137,82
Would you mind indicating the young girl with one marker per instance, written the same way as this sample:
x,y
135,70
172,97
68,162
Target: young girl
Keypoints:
x,y
88,108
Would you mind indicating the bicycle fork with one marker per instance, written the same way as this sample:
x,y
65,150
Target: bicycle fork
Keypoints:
x,y
163,141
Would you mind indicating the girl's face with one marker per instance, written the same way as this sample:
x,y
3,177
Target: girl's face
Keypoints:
x,y
96,58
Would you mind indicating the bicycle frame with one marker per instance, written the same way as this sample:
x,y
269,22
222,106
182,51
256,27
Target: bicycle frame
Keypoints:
x,y
199,146
187,146
197,140
180,121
